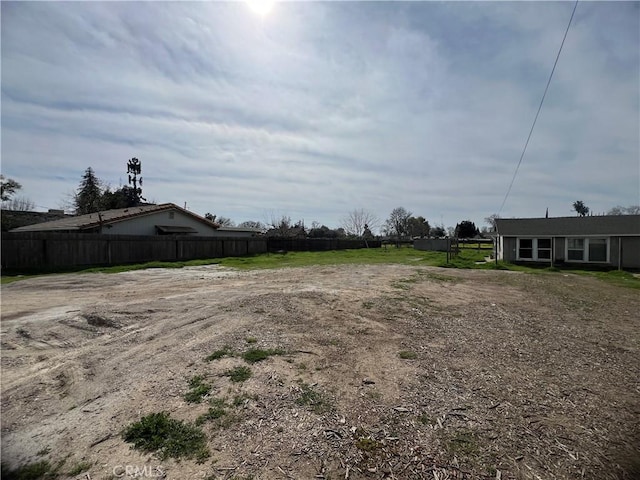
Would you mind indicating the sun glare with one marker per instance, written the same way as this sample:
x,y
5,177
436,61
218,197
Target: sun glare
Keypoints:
x,y
261,7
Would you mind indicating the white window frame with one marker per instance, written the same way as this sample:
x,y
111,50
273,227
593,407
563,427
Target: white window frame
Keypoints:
x,y
585,254
534,250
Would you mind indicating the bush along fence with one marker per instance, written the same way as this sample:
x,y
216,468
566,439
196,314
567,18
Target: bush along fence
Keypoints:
x,y
42,251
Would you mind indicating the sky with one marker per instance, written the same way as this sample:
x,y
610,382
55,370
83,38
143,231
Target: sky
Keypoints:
x,y
319,108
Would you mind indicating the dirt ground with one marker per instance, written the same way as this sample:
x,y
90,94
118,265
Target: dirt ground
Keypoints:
x,y
502,374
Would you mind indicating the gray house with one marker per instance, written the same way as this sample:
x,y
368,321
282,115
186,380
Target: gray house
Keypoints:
x,y
163,219
606,241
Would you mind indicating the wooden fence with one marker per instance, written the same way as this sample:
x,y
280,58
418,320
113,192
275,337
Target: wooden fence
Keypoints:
x,y
277,244
41,251
50,251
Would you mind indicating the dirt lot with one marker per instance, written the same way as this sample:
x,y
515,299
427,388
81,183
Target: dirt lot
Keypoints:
x,y
503,375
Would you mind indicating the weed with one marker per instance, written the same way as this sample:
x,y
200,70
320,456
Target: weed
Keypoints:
x,y
402,284
213,414
302,366
367,444
218,354
198,390
79,468
312,398
440,278
368,305
251,340
254,355
462,443
239,400
168,437
32,471
42,470
425,419
407,355
238,374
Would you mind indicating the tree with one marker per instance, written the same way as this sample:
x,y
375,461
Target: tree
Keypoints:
x,y
398,223
620,210
252,224
19,204
438,231
418,227
89,196
491,221
466,229
124,197
222,221
356,221
581,209
283,227
8,187
325,232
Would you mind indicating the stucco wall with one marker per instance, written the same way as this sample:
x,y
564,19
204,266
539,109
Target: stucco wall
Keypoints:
x,y
146,224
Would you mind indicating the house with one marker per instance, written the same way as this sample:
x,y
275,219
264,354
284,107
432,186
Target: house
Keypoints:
x,y
163,219
611,241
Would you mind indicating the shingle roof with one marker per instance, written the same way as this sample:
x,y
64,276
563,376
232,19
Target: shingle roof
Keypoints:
x,y
570,226
92,220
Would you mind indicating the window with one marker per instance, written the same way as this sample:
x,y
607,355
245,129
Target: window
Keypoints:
x,y
588,250
575,249
544,248
525,251
597,249
534,249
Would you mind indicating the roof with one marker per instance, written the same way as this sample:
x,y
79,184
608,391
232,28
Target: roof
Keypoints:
x,y
570,226
106,217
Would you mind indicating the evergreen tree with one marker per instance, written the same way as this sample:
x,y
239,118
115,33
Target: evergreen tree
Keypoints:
x,y
581,209
89,196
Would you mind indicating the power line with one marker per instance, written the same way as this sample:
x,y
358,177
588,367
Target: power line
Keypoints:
x,y
539,108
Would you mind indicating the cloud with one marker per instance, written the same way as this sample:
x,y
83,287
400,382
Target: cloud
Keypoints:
x,y
320,108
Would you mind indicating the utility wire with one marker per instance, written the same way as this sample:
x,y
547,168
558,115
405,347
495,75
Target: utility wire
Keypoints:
x,y
539,108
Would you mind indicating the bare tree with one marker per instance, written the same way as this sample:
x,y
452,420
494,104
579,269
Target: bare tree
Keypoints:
x,y
22,204
358,220
491,221
253,224
620,210
222,221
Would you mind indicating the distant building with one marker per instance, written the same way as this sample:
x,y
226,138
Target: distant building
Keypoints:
x,y
163,219
605,241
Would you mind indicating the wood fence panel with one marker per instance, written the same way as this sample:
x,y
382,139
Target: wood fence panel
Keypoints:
x,y
51,250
